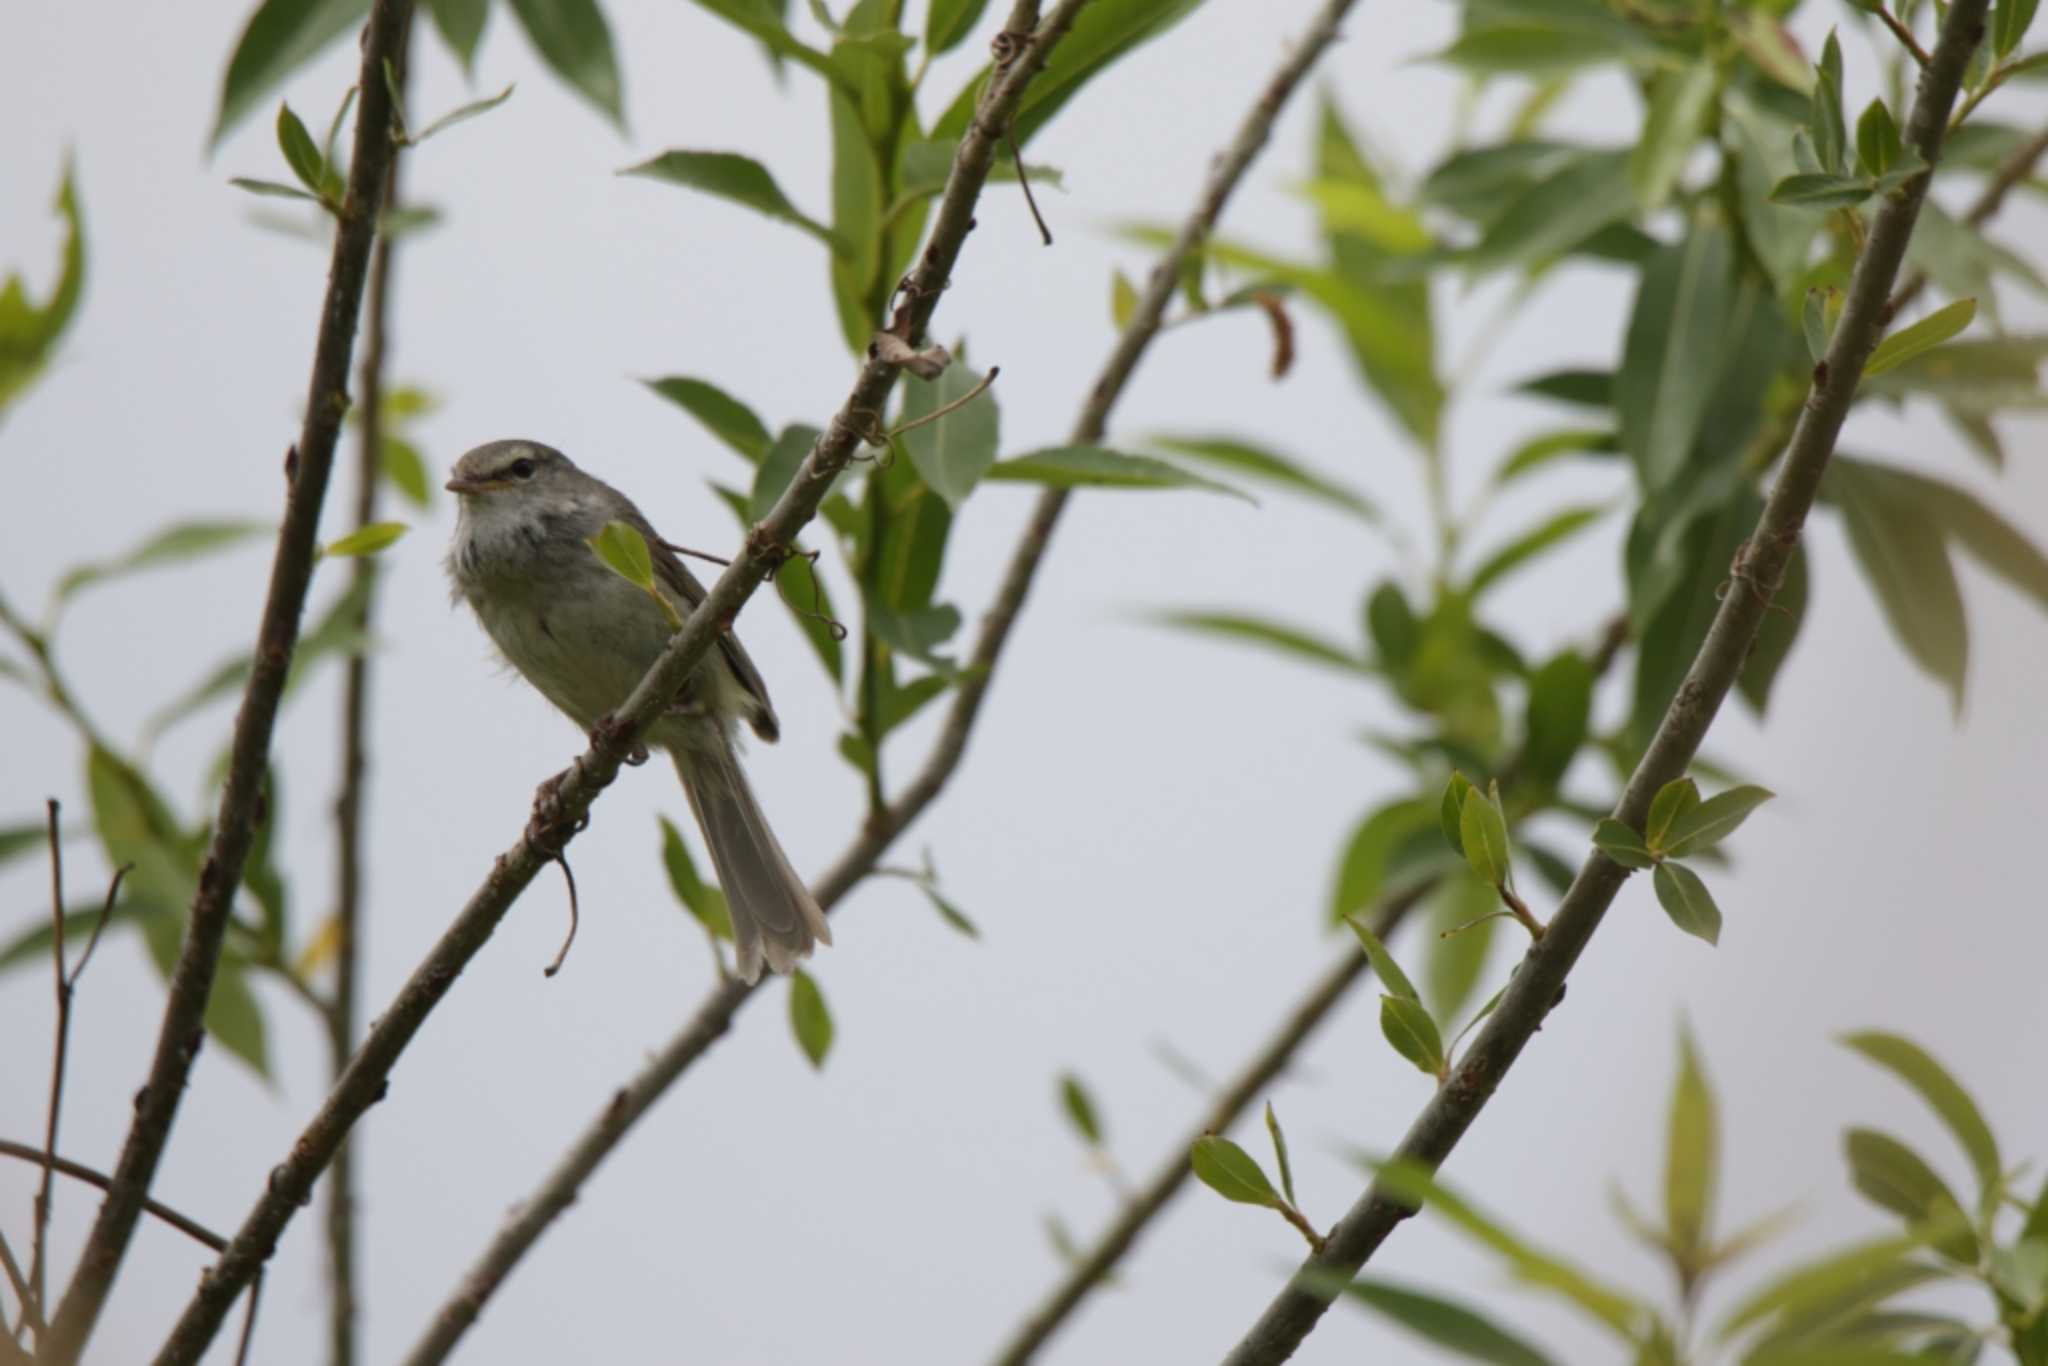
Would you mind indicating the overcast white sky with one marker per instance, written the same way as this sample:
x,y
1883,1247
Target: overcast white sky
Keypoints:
x,y
1146,824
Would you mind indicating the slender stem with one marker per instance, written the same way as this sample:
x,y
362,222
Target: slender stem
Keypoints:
x,y
1757,572
60,1048
343,1007
191,1228
714,1015
18,1279
308,471
613,740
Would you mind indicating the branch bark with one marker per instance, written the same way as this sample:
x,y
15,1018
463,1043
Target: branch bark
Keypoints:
x,y
714,1016
1758,570
183,1027
614,740
343,1010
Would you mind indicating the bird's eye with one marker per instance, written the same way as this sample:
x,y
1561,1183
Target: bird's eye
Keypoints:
x,y
522,469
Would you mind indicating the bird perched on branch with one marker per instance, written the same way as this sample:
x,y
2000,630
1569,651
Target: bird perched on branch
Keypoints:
x,y
584,636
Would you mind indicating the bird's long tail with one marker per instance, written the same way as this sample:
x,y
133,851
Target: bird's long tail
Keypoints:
x,y
774,917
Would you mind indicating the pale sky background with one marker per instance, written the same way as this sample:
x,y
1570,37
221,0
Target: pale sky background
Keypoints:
x,y
1146,824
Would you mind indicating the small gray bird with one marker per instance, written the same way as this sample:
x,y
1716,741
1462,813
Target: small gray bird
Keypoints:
x,y
584,637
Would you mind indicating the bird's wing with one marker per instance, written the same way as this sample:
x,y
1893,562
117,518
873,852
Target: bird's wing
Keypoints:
x,y
678,579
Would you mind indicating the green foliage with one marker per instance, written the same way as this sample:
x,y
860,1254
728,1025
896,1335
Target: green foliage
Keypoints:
x,y
1232,1172
809,1020
1081,1110
1102,468
28,331
951,452
575,43
370,540
701,899
724,416
728,175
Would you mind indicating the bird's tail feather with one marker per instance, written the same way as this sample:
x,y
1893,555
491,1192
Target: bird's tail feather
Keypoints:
x,y
774,917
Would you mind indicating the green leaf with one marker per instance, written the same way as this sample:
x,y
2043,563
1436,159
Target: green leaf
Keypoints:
x,y
624,551
1817,1282
2010,20
1383,964
1123,300
1453,1327
376,537
1894,1177
1930,332
1824,120
1541,451
1081,1111
1099,467
1271,634
1678,337
1673,800
1231,1172
1878,148
948,22
1686,900
1452,963
1702,826
1621,844
1906,560
401,462
1390,621
917,632
271,189
1557,214
1258,462
462,113
1280,1152
951,453
234,1018
1451,811
1484,833
699,898
281,36
1913,1065
778,466
1413,1184
1559,712
16,840
576,43
1534,50
461,25
740,179
809,1020
948,912
1378,856
35,943
1679,101
1408,1027
1691,1157
1547,535
174,544
1814,190
1582,388
301,153
764,21
858,202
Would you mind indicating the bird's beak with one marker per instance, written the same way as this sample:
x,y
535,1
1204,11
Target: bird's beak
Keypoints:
x,y
470,485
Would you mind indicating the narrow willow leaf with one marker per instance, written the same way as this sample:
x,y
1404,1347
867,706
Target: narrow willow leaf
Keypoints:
x,y
1414,1185
1390,621
1123,300
1545,536
1408,1027
1484,833
1541,451
1557,214
1878,147
369,540
1456,1328
1705,825
1462,918
1692,1156
1099,467
1679,101
1686,900
698,897
778,466
948,22
1280,1153
1233,456
1231,1172
2010,20
574,40
1930,332
741,179
1673,800
1383,964
1451,811
461,25
1815,190
950,913
1679,330
624,551
301,153
809,1019
1894,1177
1825,121
1817,1282
235,1019
953,452
462,114
1081,1111
1559,712
724,416
271,189
280,37
1905,557
182,541
1621,844
401,462
1913,1065
1273,635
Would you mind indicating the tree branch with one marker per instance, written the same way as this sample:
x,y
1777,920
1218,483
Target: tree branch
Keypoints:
x,y
1989,201
714,1016
342,1014
183,1027
615,739
1758,570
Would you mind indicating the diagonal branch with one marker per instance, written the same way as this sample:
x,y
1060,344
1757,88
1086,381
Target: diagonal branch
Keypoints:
x,y
713,1018
614,740
183,1027
1758,570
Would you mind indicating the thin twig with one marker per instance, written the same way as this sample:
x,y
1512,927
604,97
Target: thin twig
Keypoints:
x,y
575,916
183,1027
955,406
343,1009
30,1320
1535,986
616,738
1030,200
714,1015
1902,33
191,1228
